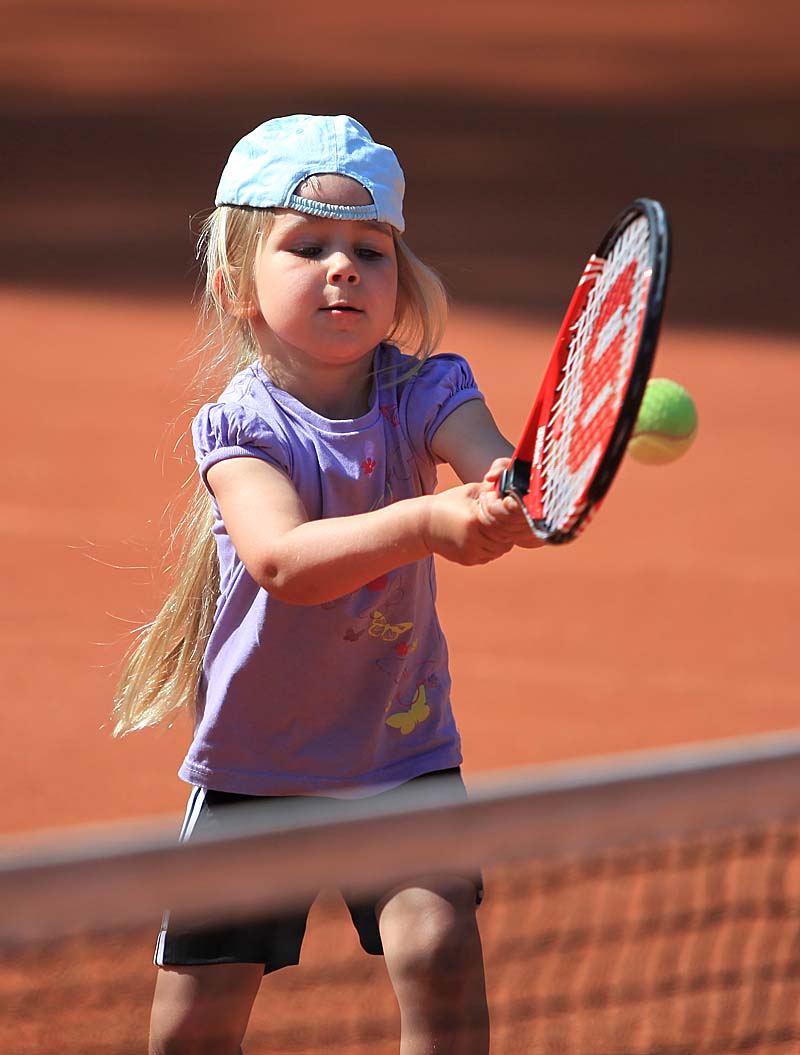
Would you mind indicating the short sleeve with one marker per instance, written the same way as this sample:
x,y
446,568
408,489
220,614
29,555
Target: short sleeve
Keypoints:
x,y
442,384
233,430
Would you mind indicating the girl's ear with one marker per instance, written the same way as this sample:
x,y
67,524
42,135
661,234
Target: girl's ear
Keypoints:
x,y
247,309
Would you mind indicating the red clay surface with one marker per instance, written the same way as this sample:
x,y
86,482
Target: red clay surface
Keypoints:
x,y
674,619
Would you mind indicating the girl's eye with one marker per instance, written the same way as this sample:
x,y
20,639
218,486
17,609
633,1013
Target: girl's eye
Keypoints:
x,y
312,252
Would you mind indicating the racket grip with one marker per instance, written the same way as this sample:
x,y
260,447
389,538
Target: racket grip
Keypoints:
x,y
516,478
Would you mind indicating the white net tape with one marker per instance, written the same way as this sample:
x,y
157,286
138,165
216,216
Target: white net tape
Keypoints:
x,y
602,380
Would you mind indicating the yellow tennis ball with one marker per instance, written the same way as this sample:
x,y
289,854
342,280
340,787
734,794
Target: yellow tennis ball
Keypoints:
x,y
667,423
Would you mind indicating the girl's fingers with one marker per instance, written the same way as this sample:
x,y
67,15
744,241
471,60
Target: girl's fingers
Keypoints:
x,y
504,521
495,510
495,470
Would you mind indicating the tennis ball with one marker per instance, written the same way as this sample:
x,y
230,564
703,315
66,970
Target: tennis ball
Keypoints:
x,y
667,423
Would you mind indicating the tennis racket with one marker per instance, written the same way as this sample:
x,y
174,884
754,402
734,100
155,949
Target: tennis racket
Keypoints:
x,y
584,413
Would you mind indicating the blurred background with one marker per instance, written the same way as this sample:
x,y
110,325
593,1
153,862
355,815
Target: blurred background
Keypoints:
x,y
521,126
523,129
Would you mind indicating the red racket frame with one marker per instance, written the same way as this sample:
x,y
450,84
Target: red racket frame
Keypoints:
x,y
523,479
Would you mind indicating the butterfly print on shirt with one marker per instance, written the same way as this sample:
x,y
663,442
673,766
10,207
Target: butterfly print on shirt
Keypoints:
x,y
407,721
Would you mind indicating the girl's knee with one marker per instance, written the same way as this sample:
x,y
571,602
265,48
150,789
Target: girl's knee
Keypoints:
x,y
429,932
204,1010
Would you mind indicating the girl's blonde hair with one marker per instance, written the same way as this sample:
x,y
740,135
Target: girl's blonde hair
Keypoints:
x,y
162,670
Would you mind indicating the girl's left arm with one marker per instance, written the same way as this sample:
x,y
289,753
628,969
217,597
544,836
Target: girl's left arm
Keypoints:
x,y
472,444
469,441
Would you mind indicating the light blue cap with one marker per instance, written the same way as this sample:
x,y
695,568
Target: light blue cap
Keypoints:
x,y
267,165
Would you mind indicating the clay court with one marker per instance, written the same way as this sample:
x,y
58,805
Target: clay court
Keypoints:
x,y
674,619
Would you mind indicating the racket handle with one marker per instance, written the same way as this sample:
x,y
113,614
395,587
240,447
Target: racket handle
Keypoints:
x,y
516,478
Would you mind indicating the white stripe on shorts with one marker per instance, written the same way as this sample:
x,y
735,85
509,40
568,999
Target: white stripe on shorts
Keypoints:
x,y
196,799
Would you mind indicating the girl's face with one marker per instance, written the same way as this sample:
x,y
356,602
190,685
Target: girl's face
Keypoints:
x,y
326,289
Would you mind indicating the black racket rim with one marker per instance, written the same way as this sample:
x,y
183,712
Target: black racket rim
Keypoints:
x,y
660,259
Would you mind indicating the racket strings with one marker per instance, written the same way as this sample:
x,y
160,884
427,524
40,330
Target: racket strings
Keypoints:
x,y
595,376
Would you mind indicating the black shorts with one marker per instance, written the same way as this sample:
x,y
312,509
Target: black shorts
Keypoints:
x,y
274,940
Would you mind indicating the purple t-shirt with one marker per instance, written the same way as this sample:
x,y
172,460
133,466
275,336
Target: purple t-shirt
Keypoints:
x,y
354,693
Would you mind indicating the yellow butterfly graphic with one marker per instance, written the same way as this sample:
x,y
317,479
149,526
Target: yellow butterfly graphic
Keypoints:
x,y
407,721
385,630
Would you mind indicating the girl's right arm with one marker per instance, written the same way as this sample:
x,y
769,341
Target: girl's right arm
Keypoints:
x,y
302,561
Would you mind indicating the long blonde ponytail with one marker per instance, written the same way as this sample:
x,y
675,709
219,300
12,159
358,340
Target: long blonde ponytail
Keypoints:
x,y
162,670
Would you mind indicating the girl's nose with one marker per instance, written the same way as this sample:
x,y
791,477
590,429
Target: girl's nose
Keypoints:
x,y
342,268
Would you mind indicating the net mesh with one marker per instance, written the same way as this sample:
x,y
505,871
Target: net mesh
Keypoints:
x,y
680,941
596,375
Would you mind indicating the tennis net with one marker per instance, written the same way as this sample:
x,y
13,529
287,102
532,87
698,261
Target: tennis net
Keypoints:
x,y
642,905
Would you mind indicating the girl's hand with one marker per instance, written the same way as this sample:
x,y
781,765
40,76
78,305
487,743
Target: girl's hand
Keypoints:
x,y
495,470
460,527
505,518
466,440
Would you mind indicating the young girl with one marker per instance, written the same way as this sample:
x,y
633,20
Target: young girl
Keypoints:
x,y
302,630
